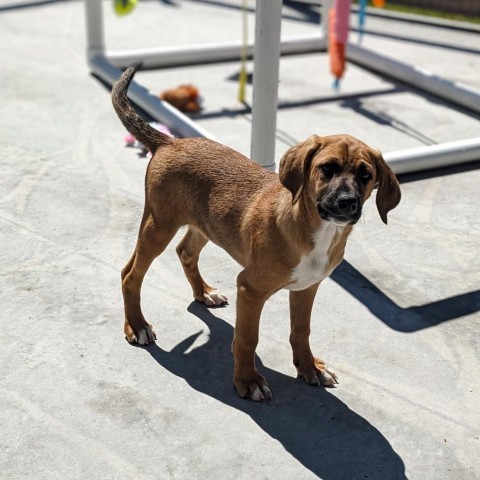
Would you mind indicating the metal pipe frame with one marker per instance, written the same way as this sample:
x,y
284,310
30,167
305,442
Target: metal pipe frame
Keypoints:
x,y
107,66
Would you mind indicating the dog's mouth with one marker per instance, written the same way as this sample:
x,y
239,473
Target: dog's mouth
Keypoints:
x,y
338,219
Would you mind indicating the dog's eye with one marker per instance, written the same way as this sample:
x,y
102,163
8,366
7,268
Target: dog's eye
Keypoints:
x,y
328,169
365,176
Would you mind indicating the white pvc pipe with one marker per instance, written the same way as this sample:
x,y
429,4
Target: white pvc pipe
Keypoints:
x,y
267,53
94,24
158,109
417,77
324,18
434,156
208,53
265,81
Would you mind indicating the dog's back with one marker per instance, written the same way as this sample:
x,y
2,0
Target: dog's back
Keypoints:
x,y
195,181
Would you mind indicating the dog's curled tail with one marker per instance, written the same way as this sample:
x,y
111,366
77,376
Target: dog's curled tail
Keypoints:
x,y
134,124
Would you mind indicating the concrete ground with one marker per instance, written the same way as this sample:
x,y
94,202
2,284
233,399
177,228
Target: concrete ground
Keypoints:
x,y
398,320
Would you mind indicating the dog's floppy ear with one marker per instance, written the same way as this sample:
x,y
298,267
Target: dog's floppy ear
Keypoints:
x,y
388,194
294,165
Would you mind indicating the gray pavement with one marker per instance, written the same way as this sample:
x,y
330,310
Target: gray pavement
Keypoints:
x,y
398,320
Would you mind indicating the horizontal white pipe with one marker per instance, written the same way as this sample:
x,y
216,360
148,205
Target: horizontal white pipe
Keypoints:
x,y
161,111
417,77
434,156
209,53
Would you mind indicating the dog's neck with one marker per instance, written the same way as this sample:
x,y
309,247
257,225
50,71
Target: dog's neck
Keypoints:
x,y
301,219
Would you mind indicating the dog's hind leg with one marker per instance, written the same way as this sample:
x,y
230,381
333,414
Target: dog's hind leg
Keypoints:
x,y
251,298
188,251
152,240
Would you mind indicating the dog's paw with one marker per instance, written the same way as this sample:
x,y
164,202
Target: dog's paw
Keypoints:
x,y
144,336
260,392
257,389
214,298
327,377
320,374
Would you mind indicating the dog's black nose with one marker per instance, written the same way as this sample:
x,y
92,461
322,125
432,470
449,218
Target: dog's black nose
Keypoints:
x,y
347,204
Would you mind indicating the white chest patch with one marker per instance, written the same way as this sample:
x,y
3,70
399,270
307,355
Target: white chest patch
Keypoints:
x,y
313,267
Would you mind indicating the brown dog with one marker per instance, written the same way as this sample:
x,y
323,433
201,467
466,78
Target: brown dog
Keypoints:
x,y
286,231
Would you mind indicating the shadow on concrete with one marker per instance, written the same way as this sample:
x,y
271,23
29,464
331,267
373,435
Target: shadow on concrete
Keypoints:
x,y
401,319
383,118
33,4
313,426
308,102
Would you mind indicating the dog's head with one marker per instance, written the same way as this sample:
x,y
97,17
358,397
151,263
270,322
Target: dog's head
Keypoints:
x,y
338,173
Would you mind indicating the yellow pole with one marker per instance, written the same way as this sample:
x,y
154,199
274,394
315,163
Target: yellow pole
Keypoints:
x,y
242,80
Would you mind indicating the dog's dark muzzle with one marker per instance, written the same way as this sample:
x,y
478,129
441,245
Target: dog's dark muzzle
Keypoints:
x,y
344,208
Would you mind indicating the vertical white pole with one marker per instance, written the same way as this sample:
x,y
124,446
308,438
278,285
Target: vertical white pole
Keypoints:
x,y
94,24
265,81
324,11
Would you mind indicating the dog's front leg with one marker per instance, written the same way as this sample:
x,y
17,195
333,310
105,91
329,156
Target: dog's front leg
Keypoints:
x,y
313,370
250,300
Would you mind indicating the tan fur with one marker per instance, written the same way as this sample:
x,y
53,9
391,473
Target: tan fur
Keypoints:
x,y
266,222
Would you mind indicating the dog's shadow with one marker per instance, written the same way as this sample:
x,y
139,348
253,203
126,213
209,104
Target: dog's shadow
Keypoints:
x,y
314,426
